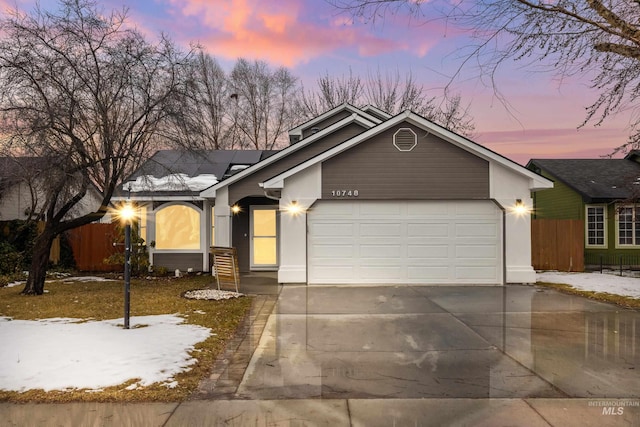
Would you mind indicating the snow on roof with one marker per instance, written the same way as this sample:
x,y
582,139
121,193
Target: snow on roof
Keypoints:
x,y
171,182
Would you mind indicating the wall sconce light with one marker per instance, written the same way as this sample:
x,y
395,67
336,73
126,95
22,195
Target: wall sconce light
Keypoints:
x,y
520,208
294,208
236,209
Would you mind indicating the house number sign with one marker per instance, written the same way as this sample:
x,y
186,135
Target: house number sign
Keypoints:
x,y
345,193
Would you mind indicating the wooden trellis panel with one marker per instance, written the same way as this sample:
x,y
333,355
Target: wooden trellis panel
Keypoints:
x,y
225,265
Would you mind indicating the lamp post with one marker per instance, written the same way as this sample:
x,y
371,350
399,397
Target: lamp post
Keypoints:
x,y
126,214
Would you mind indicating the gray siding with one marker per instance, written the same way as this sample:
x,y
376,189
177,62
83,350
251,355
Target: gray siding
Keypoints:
x,y
171,261
249,185
326,122
434,169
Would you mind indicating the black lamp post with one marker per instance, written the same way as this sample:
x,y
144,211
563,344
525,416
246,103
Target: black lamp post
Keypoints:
x,y
126,214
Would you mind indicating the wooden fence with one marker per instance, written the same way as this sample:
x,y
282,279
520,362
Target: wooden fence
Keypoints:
x,y
91,244
557,244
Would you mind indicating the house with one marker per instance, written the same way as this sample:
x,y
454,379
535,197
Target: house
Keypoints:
x,y
21,190
357,197
604,194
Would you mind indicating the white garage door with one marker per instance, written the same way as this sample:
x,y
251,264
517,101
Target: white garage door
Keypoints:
x,y
420,242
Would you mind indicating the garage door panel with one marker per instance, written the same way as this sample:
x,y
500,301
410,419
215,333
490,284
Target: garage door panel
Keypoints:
x,y
428,242
379,230
381,251
326,229
439,229
427,252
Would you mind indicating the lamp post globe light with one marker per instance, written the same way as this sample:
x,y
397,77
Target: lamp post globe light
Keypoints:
x,y
127,214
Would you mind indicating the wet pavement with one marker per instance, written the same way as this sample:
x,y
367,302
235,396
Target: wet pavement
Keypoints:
x,y
404,355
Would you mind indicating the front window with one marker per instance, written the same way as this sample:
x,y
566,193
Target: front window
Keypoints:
x,y
178,227
596,226
628,225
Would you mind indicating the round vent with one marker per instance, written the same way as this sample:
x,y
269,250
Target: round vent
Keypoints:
x,y
405,139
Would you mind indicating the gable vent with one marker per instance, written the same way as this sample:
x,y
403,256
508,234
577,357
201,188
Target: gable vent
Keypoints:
x,y
405,139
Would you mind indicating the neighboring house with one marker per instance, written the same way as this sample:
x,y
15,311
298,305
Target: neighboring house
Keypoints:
x,y
604,193
358,197
20,190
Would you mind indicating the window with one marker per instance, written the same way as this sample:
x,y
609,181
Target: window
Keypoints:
x,y
596,226
178,227
628,225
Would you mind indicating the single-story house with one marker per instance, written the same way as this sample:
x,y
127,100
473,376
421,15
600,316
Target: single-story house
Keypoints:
x,y
358,197
604,193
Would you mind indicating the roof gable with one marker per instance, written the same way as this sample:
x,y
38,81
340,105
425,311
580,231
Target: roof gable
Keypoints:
x,y
536,181
298,130
354,118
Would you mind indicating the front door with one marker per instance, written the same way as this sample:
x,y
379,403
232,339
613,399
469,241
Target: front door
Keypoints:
x,y
264,237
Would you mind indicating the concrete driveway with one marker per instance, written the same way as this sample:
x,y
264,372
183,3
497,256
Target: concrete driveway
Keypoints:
x,y
435,342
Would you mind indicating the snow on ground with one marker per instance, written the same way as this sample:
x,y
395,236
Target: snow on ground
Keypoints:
x,y
608,282
56,354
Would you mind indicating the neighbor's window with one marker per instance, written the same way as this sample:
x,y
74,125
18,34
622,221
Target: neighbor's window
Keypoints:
x,y
178,227
596,225
628,225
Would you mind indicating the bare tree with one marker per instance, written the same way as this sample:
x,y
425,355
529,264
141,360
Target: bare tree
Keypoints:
x,y
264,110
391,93
86,93
594,39
204,119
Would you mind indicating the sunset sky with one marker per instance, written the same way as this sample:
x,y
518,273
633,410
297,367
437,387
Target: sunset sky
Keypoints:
x,y
311,38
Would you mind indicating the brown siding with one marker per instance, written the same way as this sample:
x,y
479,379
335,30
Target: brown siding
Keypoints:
x,y
326,122
249,185
171,261
434,169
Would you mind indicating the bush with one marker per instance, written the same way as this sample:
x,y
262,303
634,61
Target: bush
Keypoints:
x,y
139,253
10,259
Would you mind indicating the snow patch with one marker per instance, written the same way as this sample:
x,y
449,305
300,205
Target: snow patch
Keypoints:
x,y
625,286
171,182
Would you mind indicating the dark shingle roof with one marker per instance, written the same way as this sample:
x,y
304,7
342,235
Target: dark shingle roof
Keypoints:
x,y
595,179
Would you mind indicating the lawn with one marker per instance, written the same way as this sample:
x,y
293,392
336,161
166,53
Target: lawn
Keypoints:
x,y
100,300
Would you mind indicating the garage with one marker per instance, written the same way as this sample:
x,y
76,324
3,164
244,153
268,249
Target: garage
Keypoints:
x,y
404,242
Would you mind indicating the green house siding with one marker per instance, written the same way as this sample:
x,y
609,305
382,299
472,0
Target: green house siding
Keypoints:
x,y
559,202
562,202
612,255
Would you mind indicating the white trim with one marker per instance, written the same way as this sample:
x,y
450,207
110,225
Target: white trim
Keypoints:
x,y
369,107
298,129
158,198
618,245
536,182
354,118
263,267
605,245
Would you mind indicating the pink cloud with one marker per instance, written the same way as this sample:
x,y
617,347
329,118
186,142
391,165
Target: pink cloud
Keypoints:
x,y
286,32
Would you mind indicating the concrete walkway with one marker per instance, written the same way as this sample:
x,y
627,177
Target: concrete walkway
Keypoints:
x,y
336,356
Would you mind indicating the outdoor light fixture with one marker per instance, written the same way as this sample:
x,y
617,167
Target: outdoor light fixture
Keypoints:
x,y
520,208
294,208
236,209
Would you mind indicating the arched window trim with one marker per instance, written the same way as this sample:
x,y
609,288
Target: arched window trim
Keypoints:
x,y
187,204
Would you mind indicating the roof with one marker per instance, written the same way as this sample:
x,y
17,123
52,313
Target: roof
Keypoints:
x,y
353,118
594,179
180,173
536,181
348,107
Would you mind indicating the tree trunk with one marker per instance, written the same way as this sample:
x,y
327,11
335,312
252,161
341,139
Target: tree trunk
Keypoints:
x,y
39,263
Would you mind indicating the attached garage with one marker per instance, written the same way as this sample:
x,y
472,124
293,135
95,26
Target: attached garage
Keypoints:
x,y
416,242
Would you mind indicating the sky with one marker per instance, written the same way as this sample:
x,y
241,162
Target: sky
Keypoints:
x,y
97,354
312,38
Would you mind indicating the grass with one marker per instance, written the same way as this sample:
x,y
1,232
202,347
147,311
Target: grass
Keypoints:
x,y
104,300
622,301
